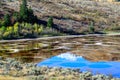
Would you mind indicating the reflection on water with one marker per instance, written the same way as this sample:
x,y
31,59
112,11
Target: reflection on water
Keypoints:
x,y
69,60
69,56
93,48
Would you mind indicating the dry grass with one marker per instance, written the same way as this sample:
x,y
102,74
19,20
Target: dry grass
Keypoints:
x,y
12,78
76,14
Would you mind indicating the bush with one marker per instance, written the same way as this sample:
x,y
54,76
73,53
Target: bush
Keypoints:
x,y
50,22
91,28
8,32
2,30
26,30
16,29
40,29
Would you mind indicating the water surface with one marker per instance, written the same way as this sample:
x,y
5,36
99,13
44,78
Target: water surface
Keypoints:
x,y
69,60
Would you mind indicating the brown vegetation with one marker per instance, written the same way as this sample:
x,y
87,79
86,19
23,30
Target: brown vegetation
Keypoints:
x,y
75,15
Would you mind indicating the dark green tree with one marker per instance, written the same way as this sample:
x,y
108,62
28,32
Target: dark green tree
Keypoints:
x,y
26,14
7,20
23,11
50,22
32,17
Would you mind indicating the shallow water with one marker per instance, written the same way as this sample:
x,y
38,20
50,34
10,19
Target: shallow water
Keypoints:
x,y
93,48
69,60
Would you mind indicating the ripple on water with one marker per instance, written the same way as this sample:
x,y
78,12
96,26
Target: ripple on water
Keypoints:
x,y
70,64
99,65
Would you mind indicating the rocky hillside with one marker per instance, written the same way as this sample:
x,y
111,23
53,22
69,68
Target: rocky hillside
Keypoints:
x,y
74,14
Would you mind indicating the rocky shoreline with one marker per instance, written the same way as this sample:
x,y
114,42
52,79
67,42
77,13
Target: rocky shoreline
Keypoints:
x,y
29,71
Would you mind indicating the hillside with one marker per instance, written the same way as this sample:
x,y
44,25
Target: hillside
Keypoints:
x,y
73,14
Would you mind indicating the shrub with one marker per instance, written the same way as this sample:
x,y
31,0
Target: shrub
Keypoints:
x,y
36,27
16,29
40,29
91,28
24,30
2,30
8,32
50,22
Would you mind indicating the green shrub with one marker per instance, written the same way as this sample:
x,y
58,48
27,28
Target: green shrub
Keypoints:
x,y
8,32
40,29
50,22
2,30
16,29
91,28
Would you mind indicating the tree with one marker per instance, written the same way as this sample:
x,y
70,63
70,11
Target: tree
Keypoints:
x,y
50,22
16,16
7,20
31,16
23,11
26,14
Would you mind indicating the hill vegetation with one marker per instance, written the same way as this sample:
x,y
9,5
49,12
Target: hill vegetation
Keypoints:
x,y
24,24
69,17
